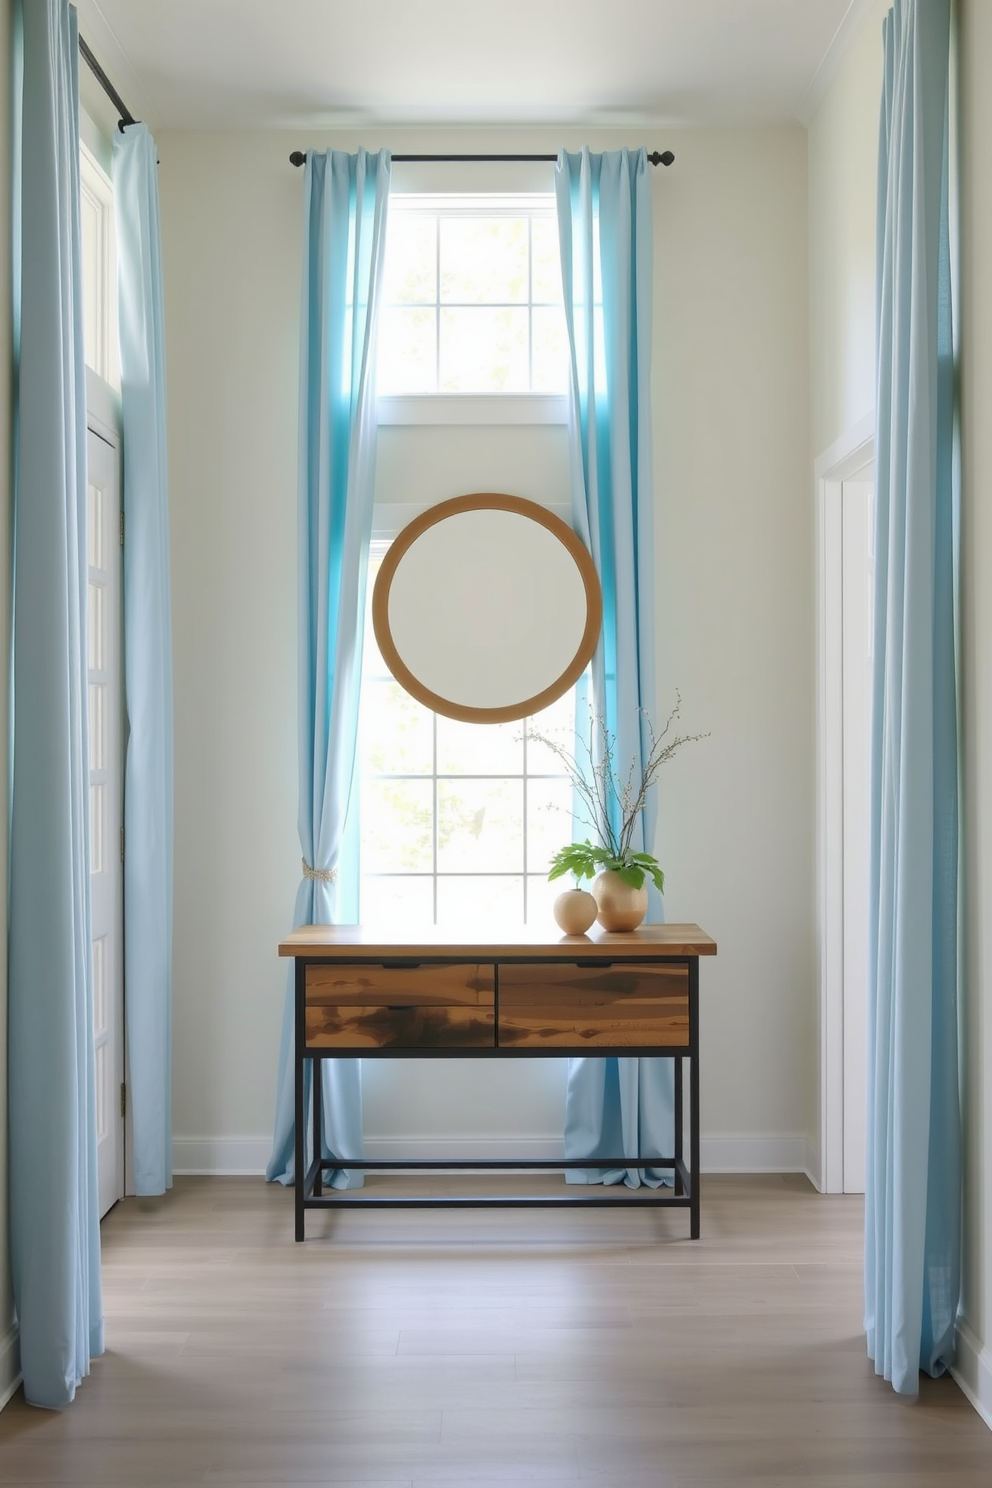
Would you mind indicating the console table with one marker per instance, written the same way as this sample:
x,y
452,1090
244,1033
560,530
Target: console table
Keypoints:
x,y
368,995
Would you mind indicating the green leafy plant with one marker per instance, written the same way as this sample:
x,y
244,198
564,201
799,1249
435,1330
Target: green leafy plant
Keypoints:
x,y
584,861
607,797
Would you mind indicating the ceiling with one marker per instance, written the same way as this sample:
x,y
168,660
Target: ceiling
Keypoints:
x,y
222,64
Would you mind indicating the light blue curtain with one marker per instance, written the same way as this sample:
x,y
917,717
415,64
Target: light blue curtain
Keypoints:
x,y
54,1220
913,1188
345,203
615,1107
147,660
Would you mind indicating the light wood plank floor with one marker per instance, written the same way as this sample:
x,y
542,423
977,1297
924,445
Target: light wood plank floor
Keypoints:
x,y
481,1348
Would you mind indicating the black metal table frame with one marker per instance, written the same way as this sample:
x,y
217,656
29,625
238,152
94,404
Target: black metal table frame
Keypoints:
x,y
308,1186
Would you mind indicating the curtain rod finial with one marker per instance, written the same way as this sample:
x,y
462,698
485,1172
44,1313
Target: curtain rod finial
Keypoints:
x,y
298,157
666,157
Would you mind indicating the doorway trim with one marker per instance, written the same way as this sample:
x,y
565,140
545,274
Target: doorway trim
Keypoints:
x,y
845,459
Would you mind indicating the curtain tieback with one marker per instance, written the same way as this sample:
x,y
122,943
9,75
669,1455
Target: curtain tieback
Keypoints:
x,y
322,875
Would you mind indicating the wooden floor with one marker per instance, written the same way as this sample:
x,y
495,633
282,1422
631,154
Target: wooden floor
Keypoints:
x,y
480,1348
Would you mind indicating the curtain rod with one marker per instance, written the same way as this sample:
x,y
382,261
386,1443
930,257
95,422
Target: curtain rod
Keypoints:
x,y
664,157
126,116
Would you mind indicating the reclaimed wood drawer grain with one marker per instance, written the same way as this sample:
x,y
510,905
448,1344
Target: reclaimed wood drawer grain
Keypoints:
x,y
400,1007
583,1007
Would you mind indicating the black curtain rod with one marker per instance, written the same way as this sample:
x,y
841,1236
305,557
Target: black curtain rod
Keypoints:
x,y
663,157
126,116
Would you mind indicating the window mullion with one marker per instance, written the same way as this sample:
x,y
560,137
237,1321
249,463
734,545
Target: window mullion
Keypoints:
x,y
437,327
530,310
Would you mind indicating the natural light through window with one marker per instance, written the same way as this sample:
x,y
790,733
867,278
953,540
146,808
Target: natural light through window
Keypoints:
x,y
472,297
459,821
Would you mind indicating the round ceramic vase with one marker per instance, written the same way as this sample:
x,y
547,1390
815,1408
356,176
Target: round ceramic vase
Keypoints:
x,y
619,906
575,910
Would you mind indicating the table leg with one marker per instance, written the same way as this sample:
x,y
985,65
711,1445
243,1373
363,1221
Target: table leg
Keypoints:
x,y
694,1095
679,1190
300,1111
318,1124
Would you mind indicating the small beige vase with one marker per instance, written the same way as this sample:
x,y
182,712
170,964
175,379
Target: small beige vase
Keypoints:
x,y
575,911
619,906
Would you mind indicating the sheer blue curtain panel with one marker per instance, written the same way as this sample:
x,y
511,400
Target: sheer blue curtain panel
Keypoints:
x,y
617,1107
148,660
344,229
54,1223
913,1187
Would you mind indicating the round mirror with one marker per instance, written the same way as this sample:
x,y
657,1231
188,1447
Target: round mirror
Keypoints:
x,y
487,608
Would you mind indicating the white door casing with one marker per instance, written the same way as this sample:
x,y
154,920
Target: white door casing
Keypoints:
x,y
856,609
106,798
843,631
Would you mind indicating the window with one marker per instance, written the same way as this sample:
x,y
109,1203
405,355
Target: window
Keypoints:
x,y
458,821
472,297
99,267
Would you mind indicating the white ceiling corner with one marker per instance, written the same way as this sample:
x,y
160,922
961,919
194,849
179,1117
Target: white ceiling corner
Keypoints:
x,y
100,37
856,18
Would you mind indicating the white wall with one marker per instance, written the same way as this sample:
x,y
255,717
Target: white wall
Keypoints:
x,y
843,153
735,628
9,1361
975,122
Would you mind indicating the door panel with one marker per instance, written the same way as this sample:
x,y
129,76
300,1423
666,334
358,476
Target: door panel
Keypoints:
x,y
105,741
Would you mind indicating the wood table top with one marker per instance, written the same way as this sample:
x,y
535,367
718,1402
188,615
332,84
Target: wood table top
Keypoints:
x,y
531,942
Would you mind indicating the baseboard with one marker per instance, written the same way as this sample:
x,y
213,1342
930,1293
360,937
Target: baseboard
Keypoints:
x,y
733,1153
973,1371
753,1152
220,1156
10,1364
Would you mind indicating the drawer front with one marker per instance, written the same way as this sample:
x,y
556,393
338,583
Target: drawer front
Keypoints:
x,y
400,1007
580,1007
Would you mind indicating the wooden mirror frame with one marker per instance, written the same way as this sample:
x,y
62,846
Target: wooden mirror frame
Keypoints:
x,y
487,501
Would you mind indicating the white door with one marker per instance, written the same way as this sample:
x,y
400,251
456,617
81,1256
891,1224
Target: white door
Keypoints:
x,y
857,604
106,795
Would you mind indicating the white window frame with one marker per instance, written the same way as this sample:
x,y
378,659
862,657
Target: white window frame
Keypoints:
x,y
473,408
97,193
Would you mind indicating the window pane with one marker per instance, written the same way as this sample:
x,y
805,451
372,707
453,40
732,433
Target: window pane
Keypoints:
x,y
545,261
397,736
372,662
480,826
410,270
483,260
483,351
397,902
550,352
406,356
556,723
397,826
479,748
541,896
483,901
549,821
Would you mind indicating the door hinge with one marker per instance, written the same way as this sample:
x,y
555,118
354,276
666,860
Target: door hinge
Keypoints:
x,y
123,1099
122,844
122,527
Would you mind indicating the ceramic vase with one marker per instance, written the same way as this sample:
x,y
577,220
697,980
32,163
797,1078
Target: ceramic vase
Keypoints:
x,y
619,906
575,911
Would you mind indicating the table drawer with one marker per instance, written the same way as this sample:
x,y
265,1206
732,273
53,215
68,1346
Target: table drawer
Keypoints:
x,y
582,1007
400,1007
